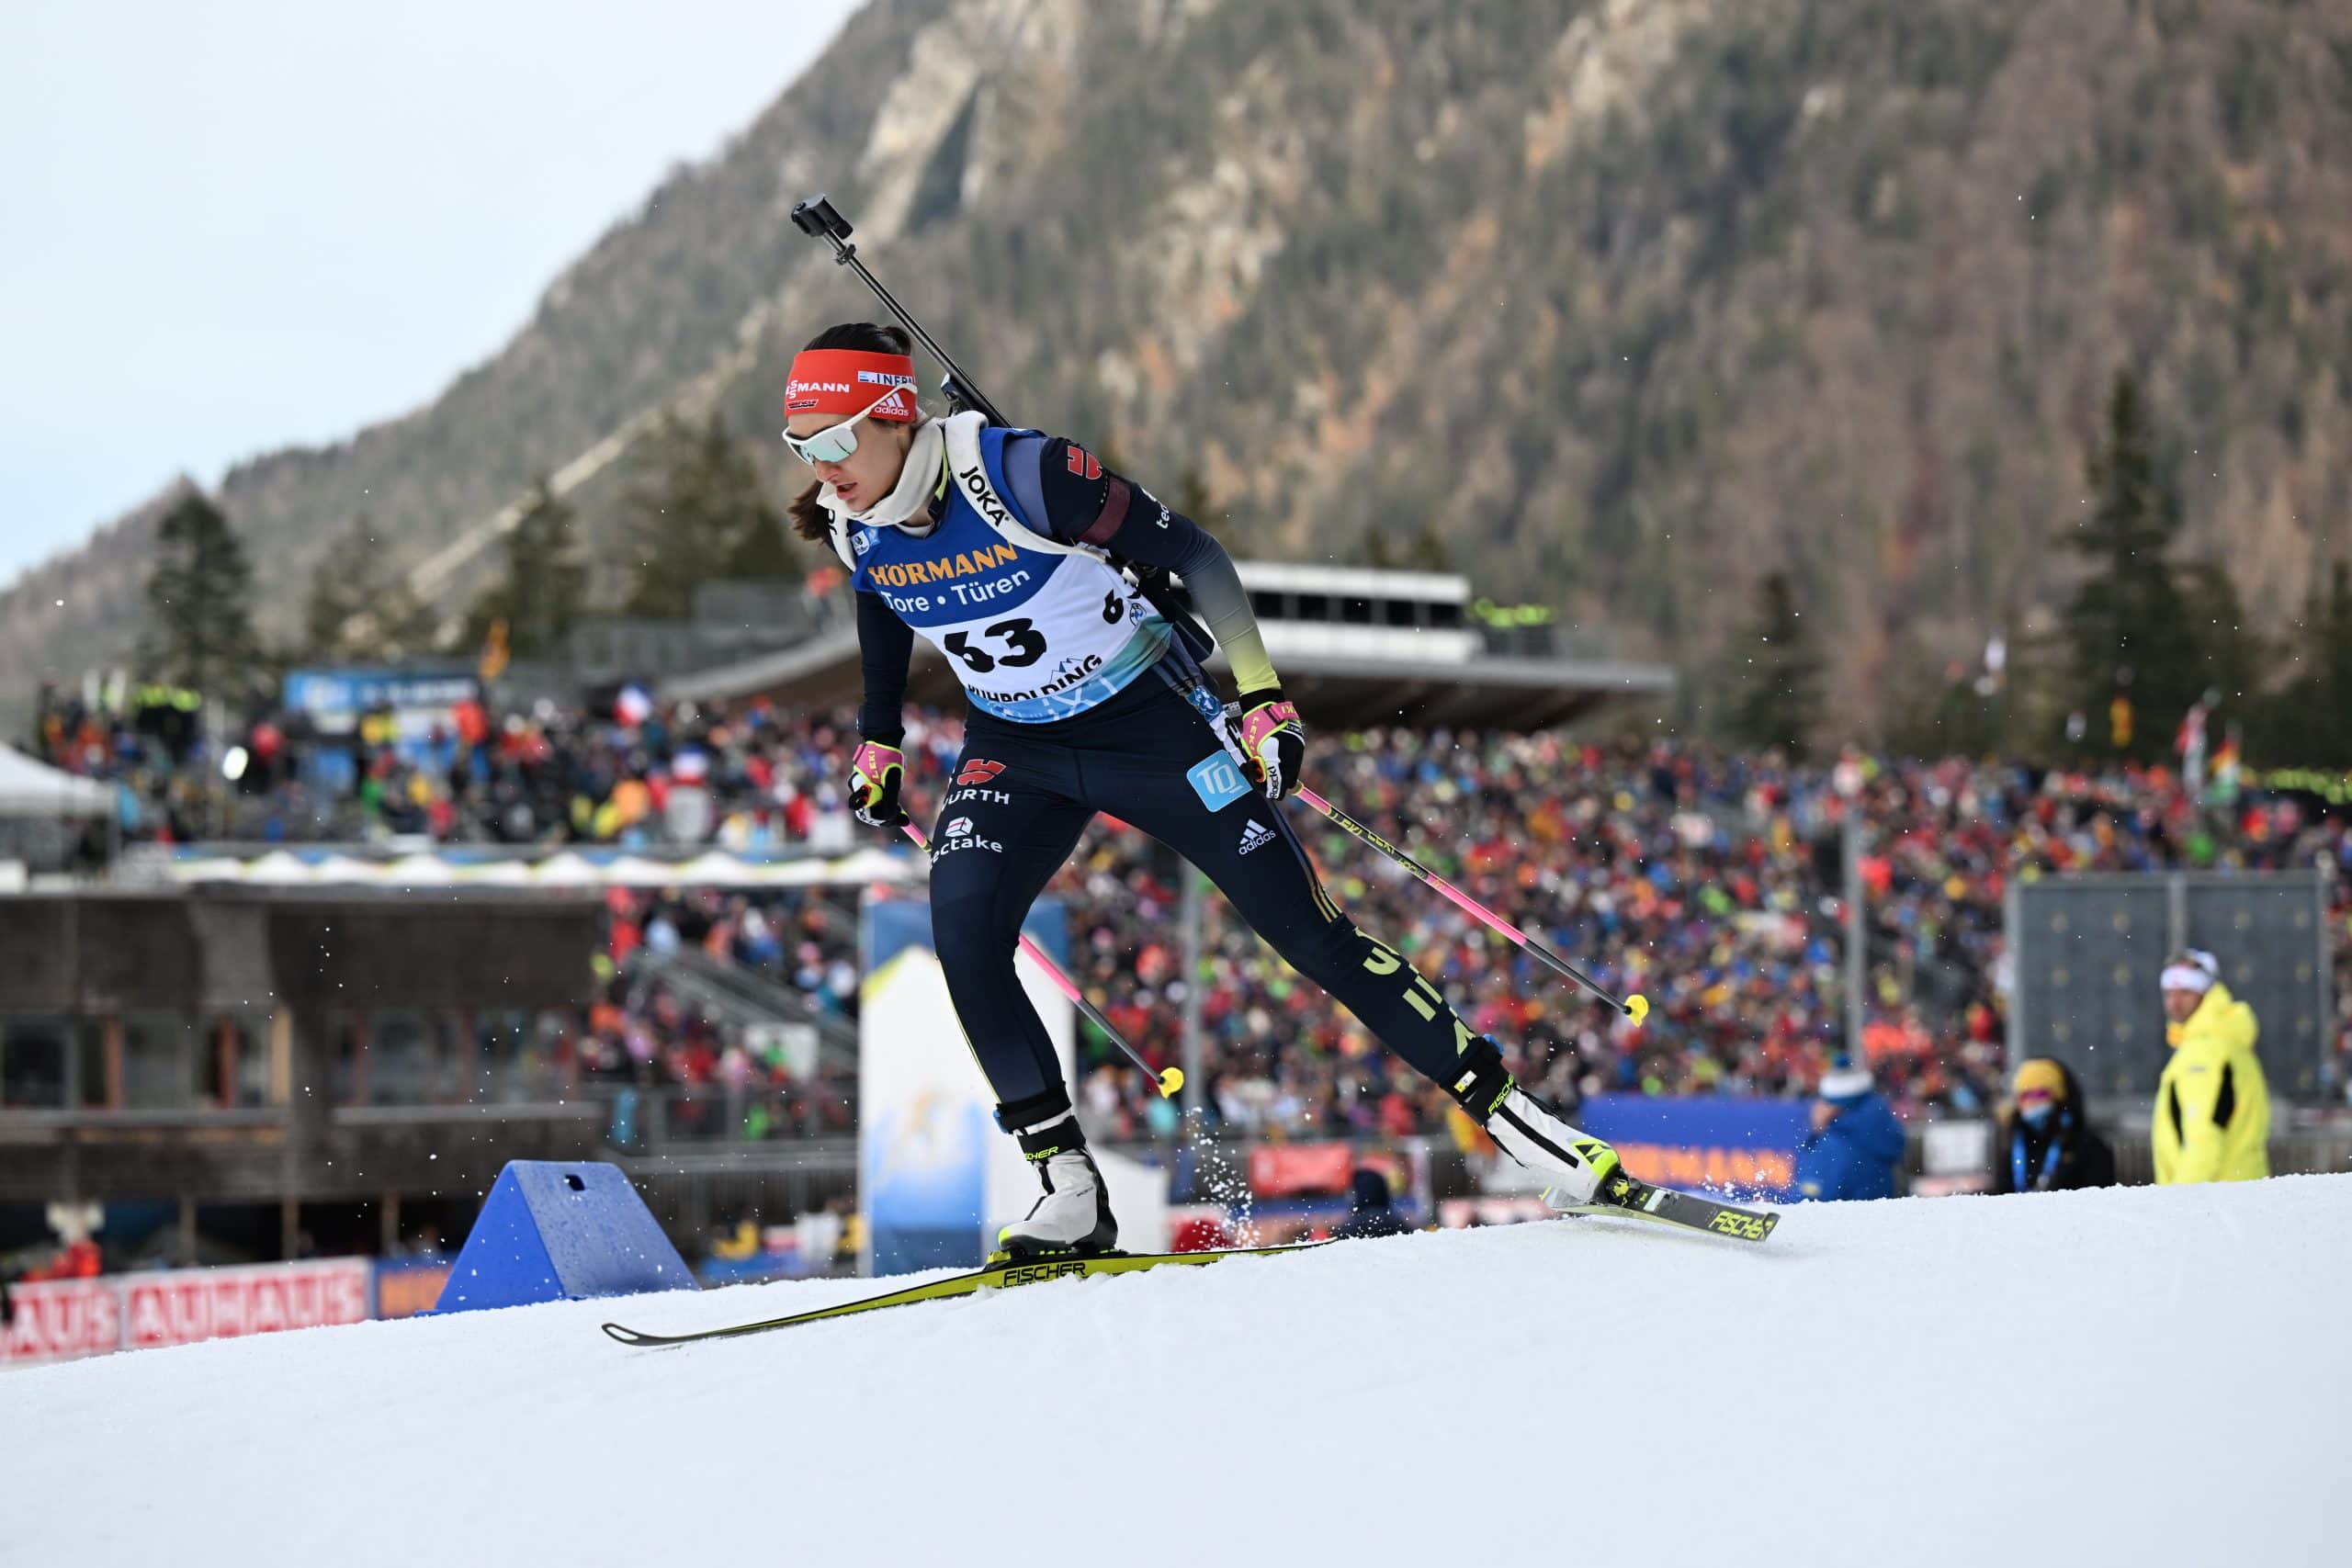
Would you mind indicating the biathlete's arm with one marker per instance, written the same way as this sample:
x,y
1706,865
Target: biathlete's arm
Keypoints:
x,y
885,644
879,768
1085,504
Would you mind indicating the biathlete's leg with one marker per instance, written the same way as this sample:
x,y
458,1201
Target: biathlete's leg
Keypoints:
x,y
1004,828
1247,847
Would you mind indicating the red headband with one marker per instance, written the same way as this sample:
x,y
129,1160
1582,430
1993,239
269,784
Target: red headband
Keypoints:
x,y
843,380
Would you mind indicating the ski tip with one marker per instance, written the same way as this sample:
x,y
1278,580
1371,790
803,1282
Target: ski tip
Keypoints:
x,y
626,1335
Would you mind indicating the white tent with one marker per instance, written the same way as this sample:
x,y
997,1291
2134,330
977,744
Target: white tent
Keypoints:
x,y
29,788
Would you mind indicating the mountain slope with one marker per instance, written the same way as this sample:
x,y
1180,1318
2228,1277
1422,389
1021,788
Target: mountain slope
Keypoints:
x,y
2140,1375
1631,302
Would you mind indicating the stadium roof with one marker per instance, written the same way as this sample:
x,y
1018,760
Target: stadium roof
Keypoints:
x,y
1344,675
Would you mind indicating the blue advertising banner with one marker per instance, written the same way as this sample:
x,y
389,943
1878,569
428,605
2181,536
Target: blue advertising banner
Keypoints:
x,y
1742,1147
421,705
335,698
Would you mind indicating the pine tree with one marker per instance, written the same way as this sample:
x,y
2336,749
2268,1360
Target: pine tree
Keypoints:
x,y
1776,697
199,631
2232,657
760,553
361,609
338,593
1424,551
1193,499
699,513
2310,723
2335,731
2127,629
544,586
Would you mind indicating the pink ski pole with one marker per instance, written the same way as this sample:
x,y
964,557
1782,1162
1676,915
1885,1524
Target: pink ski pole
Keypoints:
x,y
1635,1007
1169,1082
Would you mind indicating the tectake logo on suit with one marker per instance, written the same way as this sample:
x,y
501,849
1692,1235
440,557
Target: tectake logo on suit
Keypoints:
x,y
958,835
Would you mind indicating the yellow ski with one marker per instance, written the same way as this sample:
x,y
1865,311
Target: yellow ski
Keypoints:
x,y
1001,1274
1684,1211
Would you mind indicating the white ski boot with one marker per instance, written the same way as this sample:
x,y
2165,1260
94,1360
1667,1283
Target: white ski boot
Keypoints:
x,y
1074,1215
1582,1168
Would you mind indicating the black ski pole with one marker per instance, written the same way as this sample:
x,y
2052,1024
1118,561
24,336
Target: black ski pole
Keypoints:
x,y
816,219
816,216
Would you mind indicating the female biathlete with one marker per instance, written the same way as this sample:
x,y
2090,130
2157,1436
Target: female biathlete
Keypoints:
x,y
995,545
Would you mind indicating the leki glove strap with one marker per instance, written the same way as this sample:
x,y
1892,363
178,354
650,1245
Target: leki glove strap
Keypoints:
x,y
871,767
876,772
1262,721
1276,740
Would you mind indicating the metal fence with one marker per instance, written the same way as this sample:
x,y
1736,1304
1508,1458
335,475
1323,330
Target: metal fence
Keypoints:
x,y
2087,952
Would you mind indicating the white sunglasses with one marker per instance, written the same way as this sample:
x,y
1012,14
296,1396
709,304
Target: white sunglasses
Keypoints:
x,y
835,442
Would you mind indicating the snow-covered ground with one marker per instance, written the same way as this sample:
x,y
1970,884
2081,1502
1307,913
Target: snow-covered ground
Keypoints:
x,y
2138,1377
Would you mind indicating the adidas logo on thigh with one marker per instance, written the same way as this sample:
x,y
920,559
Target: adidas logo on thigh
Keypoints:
x,y
1254,834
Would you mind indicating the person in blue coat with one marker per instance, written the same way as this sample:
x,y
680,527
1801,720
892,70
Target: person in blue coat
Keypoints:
x,y
1856,1145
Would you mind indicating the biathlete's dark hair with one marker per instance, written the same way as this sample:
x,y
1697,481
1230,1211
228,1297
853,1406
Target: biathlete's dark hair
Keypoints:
x,y
810,521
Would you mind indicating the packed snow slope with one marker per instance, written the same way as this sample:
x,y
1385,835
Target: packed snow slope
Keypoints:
x,y
2122,1377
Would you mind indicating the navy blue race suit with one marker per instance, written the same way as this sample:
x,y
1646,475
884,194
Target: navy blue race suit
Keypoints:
x,y
1146,753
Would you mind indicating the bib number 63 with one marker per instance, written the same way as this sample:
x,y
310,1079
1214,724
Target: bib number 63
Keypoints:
x,y
1025,643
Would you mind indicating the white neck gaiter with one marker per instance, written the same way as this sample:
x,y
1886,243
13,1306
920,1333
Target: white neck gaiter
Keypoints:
x,y
918,481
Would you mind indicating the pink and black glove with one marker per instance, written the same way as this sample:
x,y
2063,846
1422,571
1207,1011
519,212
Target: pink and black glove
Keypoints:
x,y
876,770
1275,739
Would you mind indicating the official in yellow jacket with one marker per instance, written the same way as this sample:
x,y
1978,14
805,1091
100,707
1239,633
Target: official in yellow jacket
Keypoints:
x,y
2213,1105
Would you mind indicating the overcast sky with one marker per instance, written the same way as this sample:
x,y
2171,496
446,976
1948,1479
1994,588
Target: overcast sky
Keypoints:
x,y
231,225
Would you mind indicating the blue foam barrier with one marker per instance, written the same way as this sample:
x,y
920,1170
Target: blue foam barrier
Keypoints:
x,y
552,1230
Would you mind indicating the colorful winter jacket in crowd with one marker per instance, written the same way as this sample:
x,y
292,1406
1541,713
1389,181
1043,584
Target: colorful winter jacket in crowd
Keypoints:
x,y
2212,1104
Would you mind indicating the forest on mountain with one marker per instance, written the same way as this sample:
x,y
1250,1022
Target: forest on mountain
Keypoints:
x,y
1678,315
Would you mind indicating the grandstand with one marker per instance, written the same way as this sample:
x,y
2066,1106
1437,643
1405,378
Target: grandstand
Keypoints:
x,y
712,1053
300,977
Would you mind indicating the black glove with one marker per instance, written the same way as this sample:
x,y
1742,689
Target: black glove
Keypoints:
x,y
1275,740
875,773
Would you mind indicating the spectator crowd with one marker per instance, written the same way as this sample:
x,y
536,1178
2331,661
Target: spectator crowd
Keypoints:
x,y
713,1077
748,778
1711,883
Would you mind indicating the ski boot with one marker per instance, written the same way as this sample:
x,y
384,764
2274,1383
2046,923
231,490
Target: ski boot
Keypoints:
x,y
1583,1168
1073,1218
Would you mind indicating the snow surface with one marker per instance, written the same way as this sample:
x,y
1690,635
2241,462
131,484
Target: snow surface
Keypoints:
x,y
2138,1376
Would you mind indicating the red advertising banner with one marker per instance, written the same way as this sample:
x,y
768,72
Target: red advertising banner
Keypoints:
x,y
62,1320
66,1319
1283,1170
187,1306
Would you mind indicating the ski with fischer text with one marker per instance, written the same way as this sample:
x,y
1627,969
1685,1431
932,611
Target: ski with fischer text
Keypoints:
x,y
1001,1274
1684,1211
